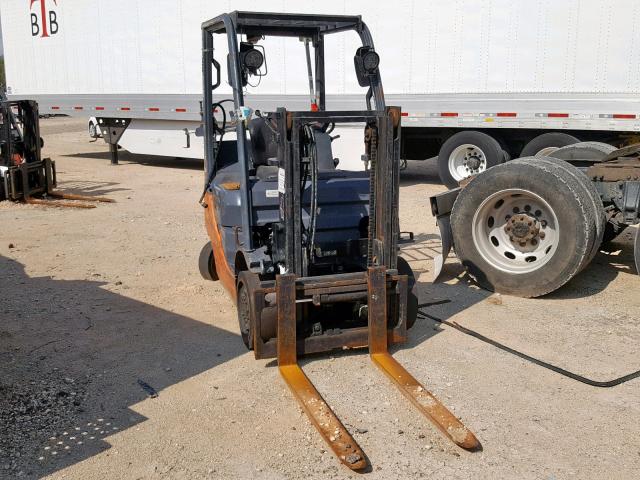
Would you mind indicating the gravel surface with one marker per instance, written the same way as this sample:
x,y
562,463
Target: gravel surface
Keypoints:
x,y
98,303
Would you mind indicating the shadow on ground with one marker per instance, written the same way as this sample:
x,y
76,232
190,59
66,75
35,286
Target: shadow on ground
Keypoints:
x,y
72,353
149,160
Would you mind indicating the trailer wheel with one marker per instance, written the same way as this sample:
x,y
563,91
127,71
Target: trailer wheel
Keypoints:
x,y
206,263
412,300
467,153
93,130
523,228
244,292
597,213
547,143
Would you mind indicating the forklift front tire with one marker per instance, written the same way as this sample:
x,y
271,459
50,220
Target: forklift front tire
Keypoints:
x,y
206,263
245,288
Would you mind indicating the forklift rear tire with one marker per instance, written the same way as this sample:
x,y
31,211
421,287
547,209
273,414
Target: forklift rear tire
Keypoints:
x,y
467,153
206,263
244,290
551,220
412,300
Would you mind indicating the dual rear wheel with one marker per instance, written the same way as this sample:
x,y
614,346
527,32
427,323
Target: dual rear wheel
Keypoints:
x,y
527,227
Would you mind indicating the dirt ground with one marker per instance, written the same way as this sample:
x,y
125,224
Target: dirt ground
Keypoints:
x,y
94,301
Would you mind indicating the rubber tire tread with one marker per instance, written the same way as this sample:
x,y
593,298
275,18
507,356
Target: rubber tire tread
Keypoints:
x,y
566,196
599,216
549,139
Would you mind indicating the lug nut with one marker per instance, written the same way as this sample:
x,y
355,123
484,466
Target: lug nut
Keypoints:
x,y
542,235
534,241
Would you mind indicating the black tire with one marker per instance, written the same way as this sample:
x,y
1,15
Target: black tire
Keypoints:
x,y
612,230
636,251
412,300
206,263
570,203
599,217
547,140
489,146
595,151
245,285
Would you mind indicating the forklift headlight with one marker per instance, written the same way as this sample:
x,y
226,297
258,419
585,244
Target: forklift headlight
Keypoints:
x,y
252,59
366,61
370,61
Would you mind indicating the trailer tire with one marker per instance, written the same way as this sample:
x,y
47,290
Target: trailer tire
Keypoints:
x,y
545,144
206,263
597,210
595,151
558,205
467,153
93,130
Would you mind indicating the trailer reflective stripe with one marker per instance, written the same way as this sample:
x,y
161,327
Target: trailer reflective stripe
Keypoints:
x,y
125,109
506,114
180,110
449,114
99,108
405,114
557,115
78,107
153,109
624,115
55,108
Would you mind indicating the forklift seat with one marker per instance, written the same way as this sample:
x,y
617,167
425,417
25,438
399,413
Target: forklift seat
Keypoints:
x,y
264,148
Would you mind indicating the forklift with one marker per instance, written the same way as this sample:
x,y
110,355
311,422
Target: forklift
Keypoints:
x,y
24,175
309,252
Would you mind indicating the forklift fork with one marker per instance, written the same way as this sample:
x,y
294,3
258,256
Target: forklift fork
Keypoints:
x,y
47,182
323,418
326,422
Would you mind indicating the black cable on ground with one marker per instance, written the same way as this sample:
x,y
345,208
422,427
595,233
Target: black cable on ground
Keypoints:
x,y
561,371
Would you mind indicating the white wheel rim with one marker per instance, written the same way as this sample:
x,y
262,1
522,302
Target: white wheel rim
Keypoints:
x,y
466,160
494,242
545,152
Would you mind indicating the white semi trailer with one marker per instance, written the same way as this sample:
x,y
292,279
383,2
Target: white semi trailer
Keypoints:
x,y
478,82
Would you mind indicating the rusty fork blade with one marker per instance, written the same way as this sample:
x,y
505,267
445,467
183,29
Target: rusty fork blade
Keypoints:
x,y
86,198
54,203
326,422
429,405
328,425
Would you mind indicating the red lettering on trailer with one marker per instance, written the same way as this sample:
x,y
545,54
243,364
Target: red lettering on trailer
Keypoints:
x,y
46,16
506,114
558,115
449,114
624,115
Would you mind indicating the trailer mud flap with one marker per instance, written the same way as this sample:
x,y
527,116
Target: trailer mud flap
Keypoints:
x,y
441,206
